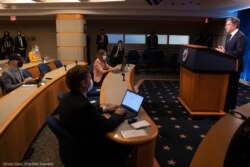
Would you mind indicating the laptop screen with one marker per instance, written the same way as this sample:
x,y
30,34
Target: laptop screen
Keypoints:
x,y
132,101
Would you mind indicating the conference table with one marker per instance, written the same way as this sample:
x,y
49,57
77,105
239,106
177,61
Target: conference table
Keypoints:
x,y
112,91
24,111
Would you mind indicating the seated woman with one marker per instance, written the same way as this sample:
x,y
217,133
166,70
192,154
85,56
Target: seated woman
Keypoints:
x,y
35,54
101,67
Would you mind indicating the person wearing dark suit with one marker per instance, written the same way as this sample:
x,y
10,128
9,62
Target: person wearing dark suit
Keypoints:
x,y
87,125
13,76
7,44
152,41
102,41
117,54
235,46
20,44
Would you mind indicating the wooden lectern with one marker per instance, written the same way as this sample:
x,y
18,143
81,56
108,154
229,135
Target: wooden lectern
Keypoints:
x,y
204,74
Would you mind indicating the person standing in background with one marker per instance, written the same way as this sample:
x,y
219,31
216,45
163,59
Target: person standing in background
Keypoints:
x,y
8,44
102,41
35,54
117,54
152,40
235,46
20,44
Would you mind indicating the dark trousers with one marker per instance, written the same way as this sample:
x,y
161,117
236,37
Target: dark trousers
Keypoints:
x,y
232,91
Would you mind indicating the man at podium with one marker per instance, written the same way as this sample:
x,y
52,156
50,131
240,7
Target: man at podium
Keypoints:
x,y
235,46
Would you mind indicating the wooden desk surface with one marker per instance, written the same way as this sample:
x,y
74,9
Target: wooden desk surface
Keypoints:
x,y
213,148
23,113
112,91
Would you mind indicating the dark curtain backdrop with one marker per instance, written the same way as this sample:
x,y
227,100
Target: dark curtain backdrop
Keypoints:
x,y
244,17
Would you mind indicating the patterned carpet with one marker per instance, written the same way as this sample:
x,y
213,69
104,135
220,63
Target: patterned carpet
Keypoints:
x,y
179,134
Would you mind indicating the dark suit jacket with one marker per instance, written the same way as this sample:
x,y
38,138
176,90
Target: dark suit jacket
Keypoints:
x,y
10,81
102,44
18,44
236,47
85,121
119,58
152,42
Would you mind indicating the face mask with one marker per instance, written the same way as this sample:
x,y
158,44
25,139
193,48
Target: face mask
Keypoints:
x,y
91,85
104,58
20,64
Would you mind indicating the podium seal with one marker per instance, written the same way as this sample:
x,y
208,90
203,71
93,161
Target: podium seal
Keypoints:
x,y
185,55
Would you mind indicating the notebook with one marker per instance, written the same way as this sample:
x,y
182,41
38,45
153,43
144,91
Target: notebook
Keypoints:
x,y
131,102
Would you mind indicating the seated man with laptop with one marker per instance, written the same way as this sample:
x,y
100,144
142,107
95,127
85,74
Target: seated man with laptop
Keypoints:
x,y
12,76
87,125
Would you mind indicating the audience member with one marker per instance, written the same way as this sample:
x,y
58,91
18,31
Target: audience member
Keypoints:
x,y
35,54
152,40
235,46
2,57
12,76
8,44
102,41
117,54
20,44
101,67
87,125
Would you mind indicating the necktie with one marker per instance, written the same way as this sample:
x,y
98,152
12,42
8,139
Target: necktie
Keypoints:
x,y
21,41
229,37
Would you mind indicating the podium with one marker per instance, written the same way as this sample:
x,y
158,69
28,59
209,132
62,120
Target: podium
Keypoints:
x,y
204,75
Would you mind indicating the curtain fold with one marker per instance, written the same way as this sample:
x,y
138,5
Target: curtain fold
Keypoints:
x,y
244,16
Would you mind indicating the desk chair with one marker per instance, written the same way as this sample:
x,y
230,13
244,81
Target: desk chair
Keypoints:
x,y
27,59
1,87
58,63
68,150
26,73
43,67
148,58
133,57
96,89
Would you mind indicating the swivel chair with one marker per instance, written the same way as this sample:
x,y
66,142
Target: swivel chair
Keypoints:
x,y
96,89
43,67
58,63
68,149
148,58
1,87
133,57
27,73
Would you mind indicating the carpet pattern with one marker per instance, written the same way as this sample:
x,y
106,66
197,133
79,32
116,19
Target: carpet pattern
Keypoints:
x,y
179,133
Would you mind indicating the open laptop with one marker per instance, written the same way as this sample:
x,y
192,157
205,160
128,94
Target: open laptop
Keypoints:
x,y
122,68
40,77
131,102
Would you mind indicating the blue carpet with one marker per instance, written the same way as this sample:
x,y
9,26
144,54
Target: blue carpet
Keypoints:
x,y
179,133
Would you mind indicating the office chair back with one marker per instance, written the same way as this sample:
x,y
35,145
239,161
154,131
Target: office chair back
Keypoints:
x,y
1,87
58,63
133,57
96,89
43,67
68,150
27,59
27,73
